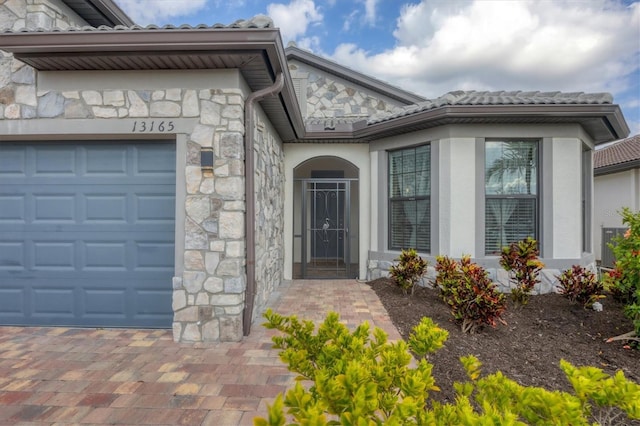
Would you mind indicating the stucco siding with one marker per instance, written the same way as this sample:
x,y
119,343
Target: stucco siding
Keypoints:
x,y
611,193
458,173
567,207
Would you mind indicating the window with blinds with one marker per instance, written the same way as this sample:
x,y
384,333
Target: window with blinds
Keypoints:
x,y
410,198
511,191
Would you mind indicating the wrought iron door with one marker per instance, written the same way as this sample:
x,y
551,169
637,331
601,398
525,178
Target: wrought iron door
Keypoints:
x,y
325,220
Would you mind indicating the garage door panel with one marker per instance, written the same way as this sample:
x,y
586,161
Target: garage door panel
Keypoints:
x,y
13,162
53,160
54,255
155,160
12,301
12,256
102,160
105,302
57,300
12,208
89,239
106,207
105,256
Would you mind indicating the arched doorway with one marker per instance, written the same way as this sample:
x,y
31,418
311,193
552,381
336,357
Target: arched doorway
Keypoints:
x,y
326,228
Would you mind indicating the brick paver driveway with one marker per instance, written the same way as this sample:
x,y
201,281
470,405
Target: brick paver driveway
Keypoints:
x,y
123,376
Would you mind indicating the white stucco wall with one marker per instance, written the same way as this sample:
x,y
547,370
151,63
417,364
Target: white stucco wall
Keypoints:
x,y
358,154
457,207
611,193
567,207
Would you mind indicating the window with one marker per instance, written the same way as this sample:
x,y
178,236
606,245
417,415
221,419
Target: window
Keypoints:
x,y
409,198
511,190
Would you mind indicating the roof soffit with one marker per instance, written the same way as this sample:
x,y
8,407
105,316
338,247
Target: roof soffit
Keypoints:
x,y
99,12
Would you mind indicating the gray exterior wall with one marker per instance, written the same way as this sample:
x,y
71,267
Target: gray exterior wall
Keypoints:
x,y
612,192
322,95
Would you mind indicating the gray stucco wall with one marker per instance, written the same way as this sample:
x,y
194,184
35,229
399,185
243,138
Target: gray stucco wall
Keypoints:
x,y
458,191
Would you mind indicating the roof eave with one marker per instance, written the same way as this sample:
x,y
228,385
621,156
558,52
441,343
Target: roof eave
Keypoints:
x,y
112,12
608,116
33,48
616,168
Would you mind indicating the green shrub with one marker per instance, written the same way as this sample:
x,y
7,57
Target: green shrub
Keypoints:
x,y
471,296
581,286
408,271
362,379
624,281
520,259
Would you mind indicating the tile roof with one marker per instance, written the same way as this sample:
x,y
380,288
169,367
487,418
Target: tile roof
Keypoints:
x,y
258,22
475,98
623,151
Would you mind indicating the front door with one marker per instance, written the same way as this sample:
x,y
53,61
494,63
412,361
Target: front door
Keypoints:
x,y
325,219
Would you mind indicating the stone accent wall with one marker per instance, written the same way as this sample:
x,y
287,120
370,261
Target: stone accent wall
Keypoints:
x,y
330,97
33,14
17,94
269,213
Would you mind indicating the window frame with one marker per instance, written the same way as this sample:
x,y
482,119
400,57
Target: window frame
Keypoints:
x,y
537,197
391,199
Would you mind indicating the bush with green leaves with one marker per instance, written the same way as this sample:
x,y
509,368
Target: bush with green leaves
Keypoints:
x,y
624,281
521,260
474,300
580,285
408,270
358,378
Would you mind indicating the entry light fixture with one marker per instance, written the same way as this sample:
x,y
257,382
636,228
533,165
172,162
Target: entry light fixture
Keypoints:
x,y
206,159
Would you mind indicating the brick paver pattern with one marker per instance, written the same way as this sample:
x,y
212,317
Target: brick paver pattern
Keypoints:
x,y
131,376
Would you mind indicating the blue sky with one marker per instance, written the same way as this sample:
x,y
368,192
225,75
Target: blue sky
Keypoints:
x,y
432,47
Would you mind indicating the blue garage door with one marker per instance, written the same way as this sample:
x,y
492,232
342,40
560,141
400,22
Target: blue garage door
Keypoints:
x,y
87,233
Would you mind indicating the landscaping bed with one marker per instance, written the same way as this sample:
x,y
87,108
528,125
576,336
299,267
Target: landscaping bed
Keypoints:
x,y
528,348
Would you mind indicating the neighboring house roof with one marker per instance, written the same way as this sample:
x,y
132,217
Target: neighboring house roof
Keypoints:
x,y
99,12
621,156
353,76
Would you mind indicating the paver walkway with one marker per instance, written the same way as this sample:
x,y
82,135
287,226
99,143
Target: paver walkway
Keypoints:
x,y
117,376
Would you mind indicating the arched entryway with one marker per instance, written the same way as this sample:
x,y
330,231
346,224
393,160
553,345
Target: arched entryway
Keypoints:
x,y
325,219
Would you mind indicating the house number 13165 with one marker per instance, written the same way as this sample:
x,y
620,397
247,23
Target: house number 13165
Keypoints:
x,y
149,126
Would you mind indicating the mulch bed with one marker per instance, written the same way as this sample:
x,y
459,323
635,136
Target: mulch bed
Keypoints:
x,y
529,348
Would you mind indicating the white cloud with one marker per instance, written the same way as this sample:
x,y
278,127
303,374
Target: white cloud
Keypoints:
x,y
494,45
145,12
370,11
294,18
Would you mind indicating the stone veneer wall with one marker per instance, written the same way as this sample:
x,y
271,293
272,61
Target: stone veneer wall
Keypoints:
x,y
32,14
17,94
269,184
330,97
